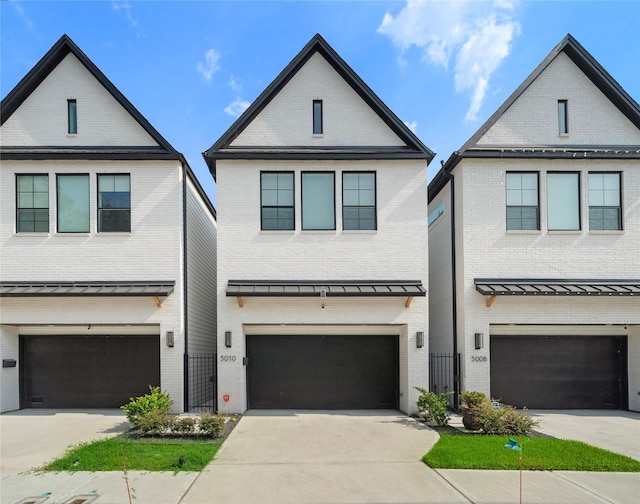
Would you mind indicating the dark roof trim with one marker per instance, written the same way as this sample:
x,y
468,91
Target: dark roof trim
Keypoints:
x,y
46,65
92,153
555,287
317,45
332,288
588,65
87,289
298,153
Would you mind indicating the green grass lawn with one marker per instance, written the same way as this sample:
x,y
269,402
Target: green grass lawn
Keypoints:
x,y
138,455
458,450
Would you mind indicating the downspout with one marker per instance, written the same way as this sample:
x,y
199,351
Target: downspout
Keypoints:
x,y
456,370
185,373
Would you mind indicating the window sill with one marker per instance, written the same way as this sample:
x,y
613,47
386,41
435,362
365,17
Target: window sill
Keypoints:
x,y
278,231
317,135
567,232
359,231
523,231
116,233
73,235
27,234
563,135
319,231
72,135
606,231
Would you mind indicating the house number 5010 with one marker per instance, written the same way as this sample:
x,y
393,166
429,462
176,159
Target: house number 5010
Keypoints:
x,y
478,358
227,358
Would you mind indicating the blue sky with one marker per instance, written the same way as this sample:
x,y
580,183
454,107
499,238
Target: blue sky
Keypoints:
x,y
190,67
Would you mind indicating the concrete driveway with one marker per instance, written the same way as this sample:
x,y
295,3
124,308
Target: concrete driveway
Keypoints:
x,y
323,456
613,430
32,437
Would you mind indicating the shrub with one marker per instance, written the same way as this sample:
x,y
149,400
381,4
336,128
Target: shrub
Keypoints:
x,y
472,398
433,407
211,425
155,400
184,425
503,420
154,423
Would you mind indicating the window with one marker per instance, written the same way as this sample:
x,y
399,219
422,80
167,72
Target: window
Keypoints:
x,y
317,117
114,203
358,200
32,203
72,117
73,203
523,211
436,212
563,201
318,201
604,201
276,197
563,117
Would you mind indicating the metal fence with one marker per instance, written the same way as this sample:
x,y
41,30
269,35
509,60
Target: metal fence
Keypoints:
x,y
442,376
201,369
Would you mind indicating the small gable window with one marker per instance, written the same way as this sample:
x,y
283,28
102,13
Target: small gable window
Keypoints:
x,y
563,117
72,117
317,117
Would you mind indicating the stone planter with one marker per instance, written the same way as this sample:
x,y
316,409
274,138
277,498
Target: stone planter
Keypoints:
x,y
468,419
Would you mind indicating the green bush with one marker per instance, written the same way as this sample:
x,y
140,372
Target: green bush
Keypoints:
x,y
472,398
503,420
155,400
154,423
434,407
211,425
184,425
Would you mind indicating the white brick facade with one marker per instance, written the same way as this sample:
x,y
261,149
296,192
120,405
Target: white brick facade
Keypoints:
x,y
484,248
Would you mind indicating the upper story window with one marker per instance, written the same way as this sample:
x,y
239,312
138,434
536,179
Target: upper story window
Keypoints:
x,y
436,212
563,117
114,203
563,201
317,117
72,117
276,201
32,203
523,210
73,203
358,200
318,201
605,212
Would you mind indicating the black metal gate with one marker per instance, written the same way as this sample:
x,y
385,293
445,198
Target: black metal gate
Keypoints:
x,y
201,369
442,375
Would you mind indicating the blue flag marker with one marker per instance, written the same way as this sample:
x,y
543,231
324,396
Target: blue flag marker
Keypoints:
x,y
513,445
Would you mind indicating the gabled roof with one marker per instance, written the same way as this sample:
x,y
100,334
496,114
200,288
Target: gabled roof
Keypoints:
x,y
46,65
594,72
414,147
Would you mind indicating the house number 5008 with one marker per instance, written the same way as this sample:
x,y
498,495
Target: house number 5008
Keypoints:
x,y
227,358
478,358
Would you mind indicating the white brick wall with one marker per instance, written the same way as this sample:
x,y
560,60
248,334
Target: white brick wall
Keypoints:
x,y
9,377
42,118
533,118
397,250
287,120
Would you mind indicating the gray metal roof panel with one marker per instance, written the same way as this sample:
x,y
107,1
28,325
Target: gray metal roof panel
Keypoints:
x,y
85,289
333,288
568,287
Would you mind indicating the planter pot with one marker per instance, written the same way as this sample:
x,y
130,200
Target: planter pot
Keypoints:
x,y
469,420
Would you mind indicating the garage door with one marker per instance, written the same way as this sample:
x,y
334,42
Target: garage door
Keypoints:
x,y
559,372
322,372
87,371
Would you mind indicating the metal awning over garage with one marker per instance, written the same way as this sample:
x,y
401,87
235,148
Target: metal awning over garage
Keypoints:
x,y
319,288
155,289
554,287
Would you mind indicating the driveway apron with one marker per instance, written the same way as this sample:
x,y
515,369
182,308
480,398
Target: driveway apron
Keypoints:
x,y
323,457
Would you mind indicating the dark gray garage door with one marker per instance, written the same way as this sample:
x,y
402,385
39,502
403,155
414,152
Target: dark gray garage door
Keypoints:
x,y
560,372
322,372
87,371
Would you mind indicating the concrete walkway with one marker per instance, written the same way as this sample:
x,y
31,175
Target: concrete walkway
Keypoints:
x,y
289,457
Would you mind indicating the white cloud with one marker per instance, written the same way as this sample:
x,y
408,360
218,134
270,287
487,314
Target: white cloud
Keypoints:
x,y
210,66
235,85
237,107
413,125
22,13
125,9
475,35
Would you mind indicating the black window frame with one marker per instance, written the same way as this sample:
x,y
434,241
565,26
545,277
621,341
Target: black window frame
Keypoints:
x,y
72,116
579,203
563,117
511,209
302,175
292,207
58,213
359,207
318,120
103,209
604,208
33,208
